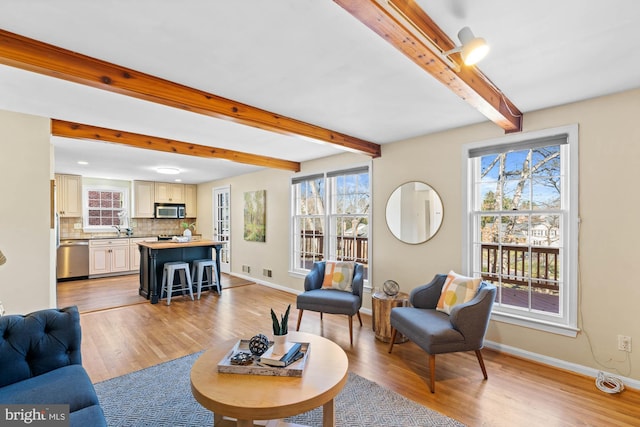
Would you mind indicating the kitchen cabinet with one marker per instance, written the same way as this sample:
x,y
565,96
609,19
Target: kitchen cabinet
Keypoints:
x,y
108,256
190,200
69,195
143,199
134,251
167,192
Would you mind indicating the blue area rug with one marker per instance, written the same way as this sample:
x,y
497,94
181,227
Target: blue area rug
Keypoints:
x,y
161,396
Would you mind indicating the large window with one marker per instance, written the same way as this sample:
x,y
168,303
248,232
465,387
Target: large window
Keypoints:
x,y
522,226
104,207
330,218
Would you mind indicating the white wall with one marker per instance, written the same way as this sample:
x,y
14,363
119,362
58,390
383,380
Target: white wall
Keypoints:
x,y
27,280
609,208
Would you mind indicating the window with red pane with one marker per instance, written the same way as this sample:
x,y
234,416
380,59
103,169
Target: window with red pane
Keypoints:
x,y
105,208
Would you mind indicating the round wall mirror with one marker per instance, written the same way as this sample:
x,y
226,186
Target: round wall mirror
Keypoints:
x,y
414,212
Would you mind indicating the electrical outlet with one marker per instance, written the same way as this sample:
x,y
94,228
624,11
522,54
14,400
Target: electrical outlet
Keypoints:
x,y
266,272
246,269
77,226
624,343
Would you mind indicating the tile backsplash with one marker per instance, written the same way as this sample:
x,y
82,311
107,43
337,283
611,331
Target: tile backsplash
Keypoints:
x,y
140,226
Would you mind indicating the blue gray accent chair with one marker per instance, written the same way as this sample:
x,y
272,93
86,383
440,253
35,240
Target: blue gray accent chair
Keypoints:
x,y
437,332
40,364
331,301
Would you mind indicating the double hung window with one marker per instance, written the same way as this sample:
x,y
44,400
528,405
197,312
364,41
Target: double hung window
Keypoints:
x,y
522,226
330,218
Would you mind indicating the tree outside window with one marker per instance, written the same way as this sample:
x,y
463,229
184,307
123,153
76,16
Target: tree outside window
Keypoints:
x,y
522,233
331,218
521,191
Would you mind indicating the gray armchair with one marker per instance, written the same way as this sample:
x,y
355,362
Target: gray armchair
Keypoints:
x,y
437,332
331,301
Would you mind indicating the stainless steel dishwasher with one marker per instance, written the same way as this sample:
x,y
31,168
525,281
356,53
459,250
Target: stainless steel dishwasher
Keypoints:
x,y
73,259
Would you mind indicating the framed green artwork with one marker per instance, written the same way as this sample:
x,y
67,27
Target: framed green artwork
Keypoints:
x,y
255,216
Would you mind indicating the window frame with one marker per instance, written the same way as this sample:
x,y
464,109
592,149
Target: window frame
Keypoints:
x,y
333,216
328,217
294,250
85,207
567,322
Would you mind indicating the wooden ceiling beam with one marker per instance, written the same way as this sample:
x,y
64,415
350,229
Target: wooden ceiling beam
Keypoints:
x,y
32,55
87,132
410,30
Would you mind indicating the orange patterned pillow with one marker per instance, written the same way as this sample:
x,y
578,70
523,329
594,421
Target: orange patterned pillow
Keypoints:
x,y
456,290
338,275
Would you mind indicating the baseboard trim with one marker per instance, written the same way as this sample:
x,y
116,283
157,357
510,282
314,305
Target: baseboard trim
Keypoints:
x,y
558,363
265,283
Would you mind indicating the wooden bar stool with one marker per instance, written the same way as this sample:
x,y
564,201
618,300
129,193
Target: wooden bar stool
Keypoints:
x,y
168,279
208,267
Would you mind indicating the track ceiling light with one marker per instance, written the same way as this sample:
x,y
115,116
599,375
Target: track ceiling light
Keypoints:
x,y
473,48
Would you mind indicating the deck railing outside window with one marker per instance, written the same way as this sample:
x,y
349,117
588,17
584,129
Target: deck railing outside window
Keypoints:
x,y
527,279
349,249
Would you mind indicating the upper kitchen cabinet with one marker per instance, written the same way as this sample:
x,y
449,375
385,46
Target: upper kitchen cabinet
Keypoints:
x,y
143,199
167,192
69,195
190,200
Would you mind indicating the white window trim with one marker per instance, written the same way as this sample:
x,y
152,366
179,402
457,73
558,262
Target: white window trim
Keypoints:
x,y
299,273
567,324
293,269
85,209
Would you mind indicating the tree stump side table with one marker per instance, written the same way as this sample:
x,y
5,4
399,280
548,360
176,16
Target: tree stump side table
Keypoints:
x,y
381,305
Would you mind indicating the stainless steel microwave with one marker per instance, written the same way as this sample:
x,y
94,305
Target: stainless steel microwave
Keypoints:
x,y
166,210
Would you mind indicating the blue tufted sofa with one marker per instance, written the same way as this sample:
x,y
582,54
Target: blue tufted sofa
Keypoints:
x,y
40,364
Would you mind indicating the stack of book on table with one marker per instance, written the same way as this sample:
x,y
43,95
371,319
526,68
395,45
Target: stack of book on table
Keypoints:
x,y
292,352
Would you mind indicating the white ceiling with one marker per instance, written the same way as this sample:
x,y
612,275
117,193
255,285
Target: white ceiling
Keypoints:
x,y
306,59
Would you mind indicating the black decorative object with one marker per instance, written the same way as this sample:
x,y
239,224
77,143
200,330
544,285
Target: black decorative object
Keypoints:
x,y
391,288
241,358
258,344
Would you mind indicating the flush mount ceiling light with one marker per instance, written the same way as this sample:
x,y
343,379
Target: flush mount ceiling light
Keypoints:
x,y
473,48
168,171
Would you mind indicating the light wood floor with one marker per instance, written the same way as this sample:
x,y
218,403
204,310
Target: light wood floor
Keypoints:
x,y
518,392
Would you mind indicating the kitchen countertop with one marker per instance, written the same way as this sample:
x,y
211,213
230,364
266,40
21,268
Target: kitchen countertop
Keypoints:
x,y
170,244
112,237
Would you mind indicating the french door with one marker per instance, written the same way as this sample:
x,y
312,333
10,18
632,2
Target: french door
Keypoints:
x,y
222,225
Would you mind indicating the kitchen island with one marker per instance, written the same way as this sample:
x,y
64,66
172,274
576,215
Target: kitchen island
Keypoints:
x,y
153,255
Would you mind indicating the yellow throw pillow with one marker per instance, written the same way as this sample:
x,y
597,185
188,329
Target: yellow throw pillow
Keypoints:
x,y
338,275
456,290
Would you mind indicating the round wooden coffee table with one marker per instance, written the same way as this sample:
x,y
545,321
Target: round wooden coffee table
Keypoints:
x,y
255,397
